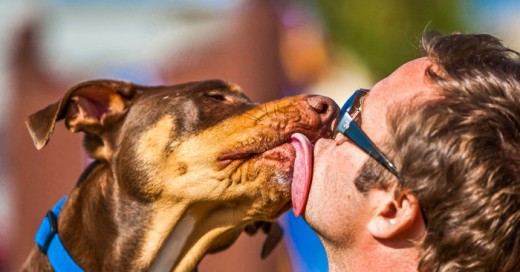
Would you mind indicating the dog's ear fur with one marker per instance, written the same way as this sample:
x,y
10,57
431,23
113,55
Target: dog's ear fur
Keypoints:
x,y
85,107
274,233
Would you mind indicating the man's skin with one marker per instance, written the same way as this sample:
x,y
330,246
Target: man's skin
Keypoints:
x,y
376,231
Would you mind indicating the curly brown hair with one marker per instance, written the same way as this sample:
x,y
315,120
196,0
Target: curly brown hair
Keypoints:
x,y
461,155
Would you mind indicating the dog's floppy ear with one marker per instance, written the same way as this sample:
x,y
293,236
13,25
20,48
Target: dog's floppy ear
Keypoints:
x,y
274,233
85,107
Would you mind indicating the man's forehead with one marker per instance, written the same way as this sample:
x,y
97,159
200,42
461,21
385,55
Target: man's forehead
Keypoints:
x,y
407,80
407,84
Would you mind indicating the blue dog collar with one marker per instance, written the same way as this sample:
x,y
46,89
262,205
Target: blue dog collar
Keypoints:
x,y
49,242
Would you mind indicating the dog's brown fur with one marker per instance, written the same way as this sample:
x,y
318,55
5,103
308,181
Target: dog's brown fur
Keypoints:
x,y
178,172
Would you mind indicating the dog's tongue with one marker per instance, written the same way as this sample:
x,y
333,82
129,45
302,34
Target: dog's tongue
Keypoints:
x,y
302,172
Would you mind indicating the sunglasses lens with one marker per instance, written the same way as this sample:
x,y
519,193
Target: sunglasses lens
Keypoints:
x,y
347,109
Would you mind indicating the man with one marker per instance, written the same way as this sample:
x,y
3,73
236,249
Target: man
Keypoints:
x,y
441,188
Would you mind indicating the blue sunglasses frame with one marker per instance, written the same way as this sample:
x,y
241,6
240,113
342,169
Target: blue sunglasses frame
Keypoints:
x,y
348,127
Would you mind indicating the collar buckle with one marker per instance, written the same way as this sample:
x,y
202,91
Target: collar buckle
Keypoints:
x,y
49,228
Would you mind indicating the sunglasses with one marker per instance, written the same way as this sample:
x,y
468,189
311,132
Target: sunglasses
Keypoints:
x,y
349,125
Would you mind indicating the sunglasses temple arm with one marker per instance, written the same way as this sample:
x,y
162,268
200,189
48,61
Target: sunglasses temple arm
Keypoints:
x,y
357,136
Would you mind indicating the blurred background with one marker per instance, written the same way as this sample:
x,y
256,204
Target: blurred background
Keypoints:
x,y
270,48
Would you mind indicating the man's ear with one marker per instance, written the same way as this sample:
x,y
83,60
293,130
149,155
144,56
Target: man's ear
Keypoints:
x,y
395,217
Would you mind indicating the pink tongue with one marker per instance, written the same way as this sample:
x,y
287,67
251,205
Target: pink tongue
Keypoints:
x,y
302,172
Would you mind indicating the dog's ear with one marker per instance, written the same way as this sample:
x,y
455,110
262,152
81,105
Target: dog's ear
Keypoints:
x,y
85,107
274,233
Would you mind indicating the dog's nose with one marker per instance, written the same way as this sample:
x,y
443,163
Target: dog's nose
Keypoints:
x,y
326,108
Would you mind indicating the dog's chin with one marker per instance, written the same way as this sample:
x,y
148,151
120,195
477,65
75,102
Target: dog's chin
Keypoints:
x,y
276,173
266,176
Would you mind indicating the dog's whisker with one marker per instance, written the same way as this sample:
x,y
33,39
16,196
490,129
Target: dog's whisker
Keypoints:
x,y
252,115
263,110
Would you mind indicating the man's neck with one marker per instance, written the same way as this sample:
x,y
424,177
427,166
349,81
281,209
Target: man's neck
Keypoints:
x,y
371,256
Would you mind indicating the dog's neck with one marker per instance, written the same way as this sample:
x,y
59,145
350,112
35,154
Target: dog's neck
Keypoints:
x,y
196,233
103,228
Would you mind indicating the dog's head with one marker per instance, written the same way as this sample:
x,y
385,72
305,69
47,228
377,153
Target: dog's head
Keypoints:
x,y
201,144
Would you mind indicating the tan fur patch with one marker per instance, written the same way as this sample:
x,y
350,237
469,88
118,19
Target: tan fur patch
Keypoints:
x,y
153,142
117,104
234,87
201,179
160,226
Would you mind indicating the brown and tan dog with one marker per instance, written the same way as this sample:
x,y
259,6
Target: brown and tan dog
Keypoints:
x,y
178,172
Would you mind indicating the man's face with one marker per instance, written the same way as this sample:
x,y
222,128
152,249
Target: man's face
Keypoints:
x,y
336,210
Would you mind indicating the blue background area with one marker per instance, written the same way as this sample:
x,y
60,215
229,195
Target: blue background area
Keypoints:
x,y
307,251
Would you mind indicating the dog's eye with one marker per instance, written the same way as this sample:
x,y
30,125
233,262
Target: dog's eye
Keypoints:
x,y
216,96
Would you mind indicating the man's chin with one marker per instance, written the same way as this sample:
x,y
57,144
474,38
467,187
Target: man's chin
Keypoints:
x,y
311,218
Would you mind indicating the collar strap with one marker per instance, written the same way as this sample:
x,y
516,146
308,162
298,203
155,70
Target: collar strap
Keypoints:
x,y
49,242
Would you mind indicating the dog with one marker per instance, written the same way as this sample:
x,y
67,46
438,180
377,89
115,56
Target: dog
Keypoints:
x,y
178,171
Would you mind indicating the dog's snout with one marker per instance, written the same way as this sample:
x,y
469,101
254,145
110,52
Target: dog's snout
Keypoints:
x,y
326,108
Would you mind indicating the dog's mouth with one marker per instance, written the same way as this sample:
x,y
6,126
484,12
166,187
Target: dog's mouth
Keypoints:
x,y
276,150
282,150
292,160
